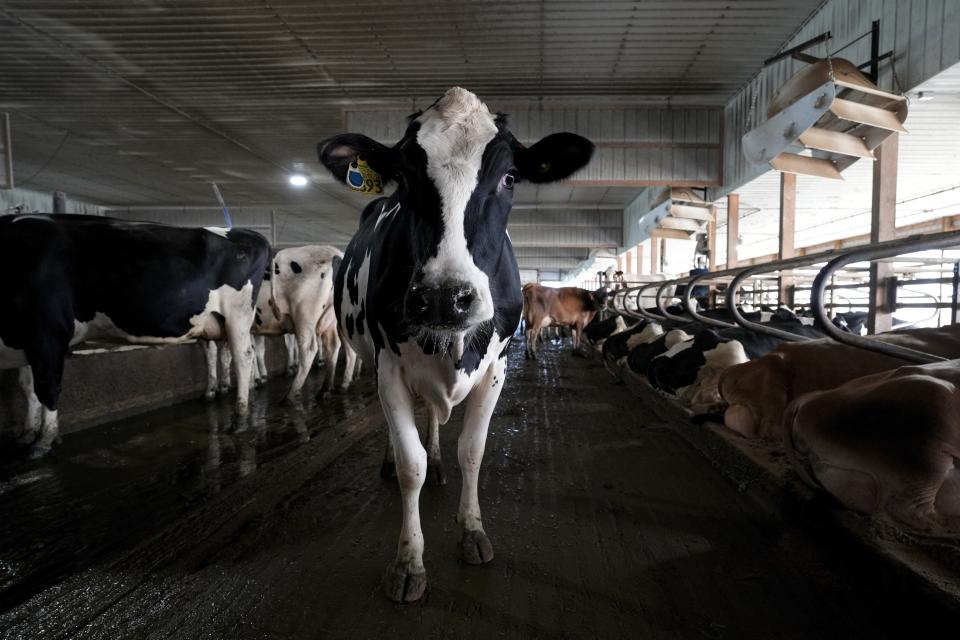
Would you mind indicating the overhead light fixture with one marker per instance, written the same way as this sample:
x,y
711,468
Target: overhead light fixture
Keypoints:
x,y
924,96
298,178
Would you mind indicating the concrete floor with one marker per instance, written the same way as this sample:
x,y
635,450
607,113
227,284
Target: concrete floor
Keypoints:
x,y
605,523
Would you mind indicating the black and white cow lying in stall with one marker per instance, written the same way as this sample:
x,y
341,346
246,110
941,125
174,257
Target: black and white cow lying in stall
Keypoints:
x,y
76,278
429,291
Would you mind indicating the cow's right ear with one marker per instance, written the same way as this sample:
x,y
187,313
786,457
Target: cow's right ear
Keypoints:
x,y
340,151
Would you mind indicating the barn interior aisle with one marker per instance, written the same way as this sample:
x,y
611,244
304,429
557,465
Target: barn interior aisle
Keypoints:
x,y
605,523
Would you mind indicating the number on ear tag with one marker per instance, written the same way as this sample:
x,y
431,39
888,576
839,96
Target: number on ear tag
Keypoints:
x,y
361,177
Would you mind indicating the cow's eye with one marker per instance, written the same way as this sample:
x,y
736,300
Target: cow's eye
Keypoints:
x,y
507,180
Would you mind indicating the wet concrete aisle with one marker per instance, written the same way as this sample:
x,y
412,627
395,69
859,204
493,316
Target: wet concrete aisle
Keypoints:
x,y
605,524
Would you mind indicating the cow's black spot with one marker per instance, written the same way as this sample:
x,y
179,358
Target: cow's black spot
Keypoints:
x,y
276,268
295,267
361,317
323,275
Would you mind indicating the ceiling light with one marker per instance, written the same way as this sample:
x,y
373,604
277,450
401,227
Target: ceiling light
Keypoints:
x,y
298,177
924,96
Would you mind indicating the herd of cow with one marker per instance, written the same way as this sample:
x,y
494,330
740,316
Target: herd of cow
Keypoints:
x,y
881,436
428,293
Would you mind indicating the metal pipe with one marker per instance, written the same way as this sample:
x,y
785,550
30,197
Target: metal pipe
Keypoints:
x,y
688,301
870,253
662,304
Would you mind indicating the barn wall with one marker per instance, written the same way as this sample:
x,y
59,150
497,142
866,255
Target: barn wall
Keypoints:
x,y
100,387
635,146
42,201
924,35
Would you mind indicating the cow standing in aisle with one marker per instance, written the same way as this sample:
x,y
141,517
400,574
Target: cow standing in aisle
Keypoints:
x,y
564,306
75,278
429,291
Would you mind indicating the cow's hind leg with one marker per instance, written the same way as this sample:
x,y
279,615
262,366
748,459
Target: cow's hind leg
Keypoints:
x,y
34,419
225,363
475,547
351,366
210,350
290,341
331,347
435,476
306,352
406,578
47,366
260,350
241,349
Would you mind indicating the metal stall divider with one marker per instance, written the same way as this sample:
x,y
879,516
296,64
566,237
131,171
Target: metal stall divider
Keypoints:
x,y
878,251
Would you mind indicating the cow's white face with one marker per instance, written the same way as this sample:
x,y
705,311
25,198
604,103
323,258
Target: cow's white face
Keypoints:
x,y
454,134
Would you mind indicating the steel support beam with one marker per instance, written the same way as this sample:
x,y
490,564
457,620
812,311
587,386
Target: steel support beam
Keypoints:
x,y
883,224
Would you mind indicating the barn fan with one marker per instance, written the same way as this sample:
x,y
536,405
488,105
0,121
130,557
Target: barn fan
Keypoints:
x,y
808,114
680,213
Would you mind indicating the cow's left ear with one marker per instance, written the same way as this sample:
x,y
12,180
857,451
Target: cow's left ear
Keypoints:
x,y
554,158
340,151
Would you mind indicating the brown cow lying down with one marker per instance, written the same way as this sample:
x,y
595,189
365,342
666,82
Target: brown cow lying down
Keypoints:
x,y
758,392
886,443
565,306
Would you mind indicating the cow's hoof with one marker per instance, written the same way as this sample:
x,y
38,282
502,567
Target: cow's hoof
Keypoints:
x,y
403,585
435,475
388,469
210,395
38,451
475,547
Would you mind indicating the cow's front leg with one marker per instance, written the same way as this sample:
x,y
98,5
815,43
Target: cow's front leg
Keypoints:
x,y
435,476
475,547
225,362
406,578
31,425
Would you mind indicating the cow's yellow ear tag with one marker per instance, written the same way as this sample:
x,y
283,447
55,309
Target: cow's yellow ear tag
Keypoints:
x,y
361,177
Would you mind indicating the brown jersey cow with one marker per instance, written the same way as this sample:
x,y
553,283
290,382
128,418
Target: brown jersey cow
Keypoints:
x,y
565,306
758,392
888,443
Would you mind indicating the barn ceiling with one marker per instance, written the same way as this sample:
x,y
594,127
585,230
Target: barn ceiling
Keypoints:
x,y
145,102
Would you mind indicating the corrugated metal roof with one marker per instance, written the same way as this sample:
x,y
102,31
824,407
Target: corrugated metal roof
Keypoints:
x,y
140,102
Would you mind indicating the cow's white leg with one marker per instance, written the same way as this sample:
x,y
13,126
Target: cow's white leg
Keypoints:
x,y
406,578
475,547
241,349
210,350
260,349
435,476
33,421
350,368
225,362
307,351
290,341
332,348
49,433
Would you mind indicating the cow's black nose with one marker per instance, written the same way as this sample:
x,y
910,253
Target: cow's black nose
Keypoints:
x,y
446,306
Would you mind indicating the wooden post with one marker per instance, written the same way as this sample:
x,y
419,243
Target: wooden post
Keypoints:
x,y
654,257
788,220
733,228
629,268
639,258
619,264
663,255
883,225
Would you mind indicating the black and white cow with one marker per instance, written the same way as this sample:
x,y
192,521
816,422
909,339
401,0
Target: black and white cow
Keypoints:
x,y
75,278
429,289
